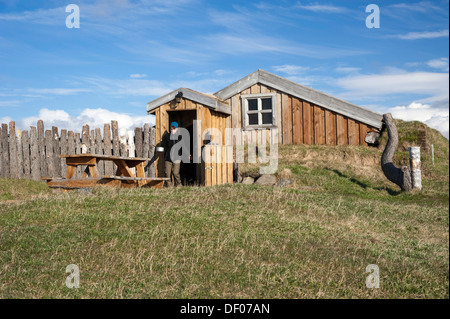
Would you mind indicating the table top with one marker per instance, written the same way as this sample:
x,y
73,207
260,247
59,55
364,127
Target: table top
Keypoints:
x,y
105,157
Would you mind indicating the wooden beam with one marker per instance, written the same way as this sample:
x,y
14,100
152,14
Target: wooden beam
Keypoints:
x,y
297,122
319,125
330,126
342,130
308,130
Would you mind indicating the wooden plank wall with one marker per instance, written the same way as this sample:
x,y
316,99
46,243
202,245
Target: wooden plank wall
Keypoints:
x,y
35,153
301,122
217,171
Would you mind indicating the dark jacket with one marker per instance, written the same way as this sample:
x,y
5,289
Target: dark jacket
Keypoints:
x,y
168,143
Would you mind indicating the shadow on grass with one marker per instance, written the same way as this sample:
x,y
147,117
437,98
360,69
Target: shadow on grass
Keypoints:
x,y
364,185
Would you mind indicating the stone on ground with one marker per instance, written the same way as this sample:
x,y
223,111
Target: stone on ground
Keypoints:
x,y
248,180
266,180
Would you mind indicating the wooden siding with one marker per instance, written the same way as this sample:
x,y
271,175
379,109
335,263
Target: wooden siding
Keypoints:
x,y
302,122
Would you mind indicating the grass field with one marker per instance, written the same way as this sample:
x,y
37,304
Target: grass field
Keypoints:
x,y
313,240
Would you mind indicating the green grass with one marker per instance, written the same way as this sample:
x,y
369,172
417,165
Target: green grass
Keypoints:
x,y
19,189
234,241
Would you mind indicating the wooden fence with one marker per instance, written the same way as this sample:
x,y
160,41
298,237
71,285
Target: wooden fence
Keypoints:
x,y
34,154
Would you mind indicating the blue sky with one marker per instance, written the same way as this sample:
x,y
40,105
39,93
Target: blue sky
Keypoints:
x,y
128,52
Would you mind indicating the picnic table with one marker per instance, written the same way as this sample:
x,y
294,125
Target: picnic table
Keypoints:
x,y
124,176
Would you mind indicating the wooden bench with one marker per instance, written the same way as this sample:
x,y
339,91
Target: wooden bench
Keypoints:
x,y
123,177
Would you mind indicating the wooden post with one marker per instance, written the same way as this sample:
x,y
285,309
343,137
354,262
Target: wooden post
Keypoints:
x,y
49,153
115,135
35,158
78,151
64,151
41,142
131,150
99,150
13,171
5,151
416,174
138,141
26,155
152,148
116,145
146,147
19,154
85,143
56,152
107,149
4,148
91,147
71,148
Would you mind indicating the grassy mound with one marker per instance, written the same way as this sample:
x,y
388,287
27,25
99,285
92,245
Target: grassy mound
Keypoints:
x,y
235,241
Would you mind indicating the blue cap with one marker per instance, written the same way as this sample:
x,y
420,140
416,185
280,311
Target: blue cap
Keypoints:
x,y
174,124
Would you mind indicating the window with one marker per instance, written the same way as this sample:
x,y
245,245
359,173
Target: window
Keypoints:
x,y
259,110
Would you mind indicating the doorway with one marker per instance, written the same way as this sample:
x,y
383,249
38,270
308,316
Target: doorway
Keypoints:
x,y
185,119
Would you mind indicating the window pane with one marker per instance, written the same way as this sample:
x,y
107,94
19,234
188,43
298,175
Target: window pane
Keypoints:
x,y
266,104
267,118
252,104
253,119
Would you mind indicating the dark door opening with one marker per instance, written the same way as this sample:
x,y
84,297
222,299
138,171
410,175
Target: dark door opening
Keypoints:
x,y
185,119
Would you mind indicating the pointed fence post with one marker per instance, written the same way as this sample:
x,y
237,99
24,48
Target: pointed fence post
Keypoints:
x,y
416,173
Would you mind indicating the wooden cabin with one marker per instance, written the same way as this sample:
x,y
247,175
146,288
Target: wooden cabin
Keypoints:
x,y
187,110
260,102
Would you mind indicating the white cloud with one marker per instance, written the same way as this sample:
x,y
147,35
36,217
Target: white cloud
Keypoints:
x,y
290,69
437,118
5,119
395,82
432,110
40,16
131,87
93,117
138,76
309,79
441,64
440,123
221,72
57,91
11,103
423,6
321,8
347,70
258,43
423,35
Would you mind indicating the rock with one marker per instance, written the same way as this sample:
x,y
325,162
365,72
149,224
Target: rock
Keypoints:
x,y
266,180
285,174
248,180
372,138
285,182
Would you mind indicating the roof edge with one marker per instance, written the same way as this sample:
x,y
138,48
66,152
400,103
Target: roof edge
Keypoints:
x,y
295,89
212,102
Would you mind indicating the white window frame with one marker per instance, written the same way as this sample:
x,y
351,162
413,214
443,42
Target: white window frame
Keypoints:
x,y
245,111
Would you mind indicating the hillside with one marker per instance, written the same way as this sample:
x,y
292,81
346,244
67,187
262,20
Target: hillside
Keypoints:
x,y
312,240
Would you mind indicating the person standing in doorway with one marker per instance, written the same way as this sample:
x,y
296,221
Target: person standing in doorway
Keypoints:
x,y
172,163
